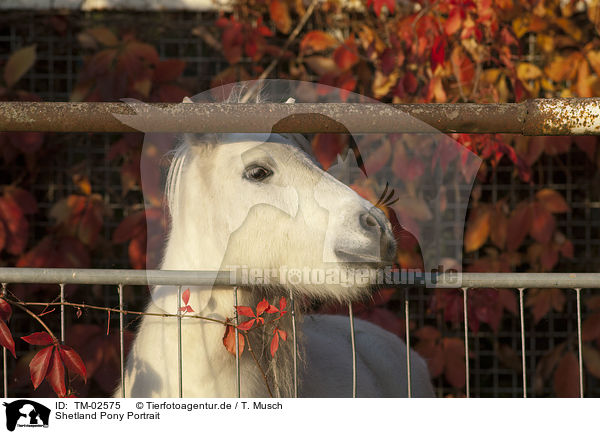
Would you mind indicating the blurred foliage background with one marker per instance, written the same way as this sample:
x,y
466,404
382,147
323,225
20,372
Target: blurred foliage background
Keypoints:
x,y
74,200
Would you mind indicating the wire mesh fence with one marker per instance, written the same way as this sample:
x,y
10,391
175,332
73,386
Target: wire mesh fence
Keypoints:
x,y
492,372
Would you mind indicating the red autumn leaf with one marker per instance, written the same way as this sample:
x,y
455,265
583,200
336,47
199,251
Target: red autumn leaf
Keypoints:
x,y
16,225
25,199
261,307
590,329
245,311
168,70
438,52
345,56
185,297
552,200
56,375
389,61
229,340
454,362
317,41
454,21
540,301
519,225
3,235
566,377
271,309
591,358
39,338
548,258
327,147
73,361
247,325
282,334
282,305
410,83
38,367
5,310
274,344
280,15
379,4
587,144
6,339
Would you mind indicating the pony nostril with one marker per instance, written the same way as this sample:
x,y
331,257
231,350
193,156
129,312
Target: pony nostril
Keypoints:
x,y
367,221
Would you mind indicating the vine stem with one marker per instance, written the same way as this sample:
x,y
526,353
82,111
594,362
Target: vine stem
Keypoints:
x,y
258,364
22,305
34,316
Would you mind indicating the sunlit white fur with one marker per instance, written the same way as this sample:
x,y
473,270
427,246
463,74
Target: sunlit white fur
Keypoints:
x,y
300,217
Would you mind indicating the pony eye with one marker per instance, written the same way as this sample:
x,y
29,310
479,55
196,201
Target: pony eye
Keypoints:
x,y
257,173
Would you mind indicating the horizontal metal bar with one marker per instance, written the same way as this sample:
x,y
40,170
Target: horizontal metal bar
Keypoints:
x,y
224,278
554,116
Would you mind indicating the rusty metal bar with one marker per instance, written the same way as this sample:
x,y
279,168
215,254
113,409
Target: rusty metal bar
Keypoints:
x,y
554,116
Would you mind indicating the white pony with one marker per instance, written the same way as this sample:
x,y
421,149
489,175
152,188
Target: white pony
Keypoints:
x,y
261,202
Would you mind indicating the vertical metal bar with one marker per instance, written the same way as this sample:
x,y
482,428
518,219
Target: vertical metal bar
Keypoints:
x,y
580,344
353,342
523,359
237,345
62,313
4,358
179,344
467,382
295,342
121,339
407,328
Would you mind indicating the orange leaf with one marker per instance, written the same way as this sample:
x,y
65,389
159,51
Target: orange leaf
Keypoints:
x,y
18,64
478,229
519,225
543,223
229,340
280,15
274,344
317,41
552,200
453,22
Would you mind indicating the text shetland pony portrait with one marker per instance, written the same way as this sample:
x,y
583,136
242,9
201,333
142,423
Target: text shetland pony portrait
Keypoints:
x,y
259,201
